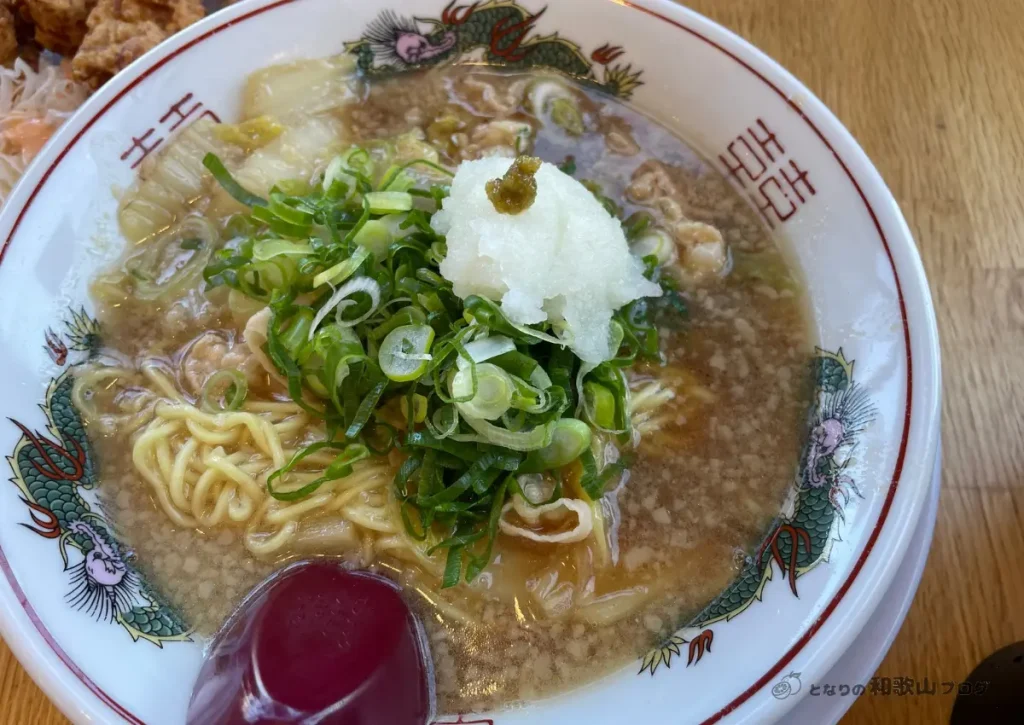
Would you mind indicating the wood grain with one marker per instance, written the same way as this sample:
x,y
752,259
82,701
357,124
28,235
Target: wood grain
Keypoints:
x,y
928,88
931,89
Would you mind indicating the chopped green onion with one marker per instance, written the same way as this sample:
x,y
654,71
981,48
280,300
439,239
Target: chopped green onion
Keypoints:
x,y
528,398
404,353
389,202
452,568
224,391
493,391
289,209
520,364
636,224
339,300
417,410
443,422
612,379
281,358
478,563
656,243
356,163
560,366
594,482
269,248
601,404
405,473
489,315
488,347
393,172
517,441
610,206
393,358
299,331
405,316
340,467
375,236
279,225
422,440
673,299
479,477
239,193
399,181
468,394
342,270
365,410
568,440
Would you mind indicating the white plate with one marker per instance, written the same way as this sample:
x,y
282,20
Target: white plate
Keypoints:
x,y
783,148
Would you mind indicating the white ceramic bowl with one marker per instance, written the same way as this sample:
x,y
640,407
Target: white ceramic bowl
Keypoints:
x,y
784,149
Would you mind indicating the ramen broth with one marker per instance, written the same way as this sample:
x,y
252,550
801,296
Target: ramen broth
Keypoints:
x,y
713,462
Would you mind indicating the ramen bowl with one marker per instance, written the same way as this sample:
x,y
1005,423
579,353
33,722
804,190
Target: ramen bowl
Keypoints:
x,y
798,601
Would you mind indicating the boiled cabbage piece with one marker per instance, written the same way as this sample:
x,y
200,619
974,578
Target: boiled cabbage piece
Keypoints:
x,y
170,181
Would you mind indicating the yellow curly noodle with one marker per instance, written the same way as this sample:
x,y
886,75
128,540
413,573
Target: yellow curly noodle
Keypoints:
x,y
209,470
126,390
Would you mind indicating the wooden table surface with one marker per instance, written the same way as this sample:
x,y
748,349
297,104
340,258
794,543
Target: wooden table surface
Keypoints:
x,y
933,91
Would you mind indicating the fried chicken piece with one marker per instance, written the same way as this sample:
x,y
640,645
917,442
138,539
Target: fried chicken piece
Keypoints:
x,y
169,15
60,24
24,31
18,11
18,8
119,31
8,36
110,47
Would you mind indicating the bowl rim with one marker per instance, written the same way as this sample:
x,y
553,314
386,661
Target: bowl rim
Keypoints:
x,y
923,357
81,699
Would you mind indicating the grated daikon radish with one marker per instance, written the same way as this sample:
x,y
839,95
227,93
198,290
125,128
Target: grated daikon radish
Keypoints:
x,y
563,260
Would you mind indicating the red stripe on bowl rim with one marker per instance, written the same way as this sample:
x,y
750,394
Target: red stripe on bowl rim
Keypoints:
x,y
900,458
901,455
58,650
